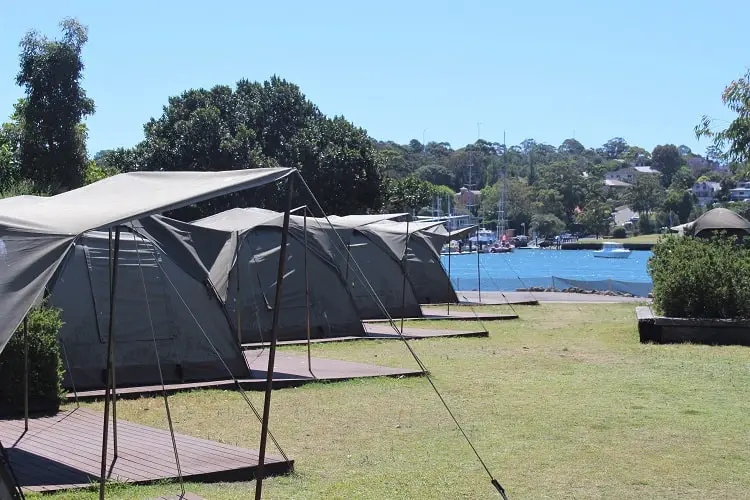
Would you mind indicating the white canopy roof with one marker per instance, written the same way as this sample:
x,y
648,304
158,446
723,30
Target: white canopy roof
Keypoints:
x,y
37,232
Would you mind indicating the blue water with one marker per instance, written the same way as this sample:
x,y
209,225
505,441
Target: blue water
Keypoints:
x,y
525,268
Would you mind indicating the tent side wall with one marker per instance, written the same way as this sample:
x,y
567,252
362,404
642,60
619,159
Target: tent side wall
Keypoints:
x,y
384,273
185,353
332,311
427,275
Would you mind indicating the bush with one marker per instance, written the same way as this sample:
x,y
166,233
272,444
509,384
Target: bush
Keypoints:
x,y
45,365
619,232
701,278
645,226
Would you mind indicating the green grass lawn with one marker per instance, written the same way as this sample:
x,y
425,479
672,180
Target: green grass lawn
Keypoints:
x,y
562,403
644,238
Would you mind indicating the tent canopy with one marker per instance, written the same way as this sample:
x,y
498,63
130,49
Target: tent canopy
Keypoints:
x,y
37,232
721,219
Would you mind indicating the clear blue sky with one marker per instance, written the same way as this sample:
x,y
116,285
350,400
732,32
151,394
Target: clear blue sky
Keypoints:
x,y
642,70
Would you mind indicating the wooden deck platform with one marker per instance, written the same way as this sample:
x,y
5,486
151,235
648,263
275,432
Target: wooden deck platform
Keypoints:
x,y
64,452
434,313
380,331
291,370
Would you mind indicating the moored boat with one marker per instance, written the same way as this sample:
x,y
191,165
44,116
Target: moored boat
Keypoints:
x,y
612,250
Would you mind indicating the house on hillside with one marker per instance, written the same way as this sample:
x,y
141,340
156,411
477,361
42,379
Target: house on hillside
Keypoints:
x,y
614,183
706,191
741,192
469,197
629,174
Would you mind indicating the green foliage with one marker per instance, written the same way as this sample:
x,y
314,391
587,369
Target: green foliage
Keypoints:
x,y
733,143
595,218
547,224
96,173
19,188
679,202
645,225
701,278
45,364
410,194
667,160
682,179
53,141
619,232
260,125
435,174
645,194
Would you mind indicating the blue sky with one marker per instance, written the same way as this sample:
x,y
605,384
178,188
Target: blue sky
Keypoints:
x,y
642,70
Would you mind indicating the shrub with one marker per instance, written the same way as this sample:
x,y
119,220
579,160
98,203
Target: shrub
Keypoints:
x,y
645,226
701,278
45,365
619,232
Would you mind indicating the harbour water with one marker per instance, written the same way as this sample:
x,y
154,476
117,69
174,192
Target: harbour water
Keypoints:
x,y
550,268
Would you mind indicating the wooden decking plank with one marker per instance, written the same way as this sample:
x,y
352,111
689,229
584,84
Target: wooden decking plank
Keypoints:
x,y
73,451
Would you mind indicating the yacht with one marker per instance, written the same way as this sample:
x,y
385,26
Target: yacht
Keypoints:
x,y
612,250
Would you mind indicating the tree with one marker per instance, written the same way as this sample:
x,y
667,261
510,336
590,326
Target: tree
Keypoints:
x,y
595,218
682,179
265,124
637,155
435,174
547,224
666,159
96,173
410,194
680,202
571,147
120,159
614,147
733,143
684,150
53,141
645,194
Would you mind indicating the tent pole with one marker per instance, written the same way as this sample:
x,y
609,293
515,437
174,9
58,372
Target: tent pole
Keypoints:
x,y
238,302
449,271
479,274
113,288
403,281
272,351
112,346
307,299
26,373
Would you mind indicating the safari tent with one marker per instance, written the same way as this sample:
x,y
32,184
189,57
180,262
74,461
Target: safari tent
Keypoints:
x,y
312,277
40,235
156,299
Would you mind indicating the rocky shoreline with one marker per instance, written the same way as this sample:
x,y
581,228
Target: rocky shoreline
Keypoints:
x,y
573,289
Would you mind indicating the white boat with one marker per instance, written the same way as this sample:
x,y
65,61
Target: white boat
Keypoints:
x,y
611,250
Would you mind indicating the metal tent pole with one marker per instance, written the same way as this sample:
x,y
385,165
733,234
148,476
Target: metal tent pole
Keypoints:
x,y
112,346
479,274
238,302
449,271
403,282
110,352
26,374
272,352
307,299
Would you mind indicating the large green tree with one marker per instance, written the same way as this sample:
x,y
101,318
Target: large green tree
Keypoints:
x,y
53,141
410,194
732,143
667,160
645,194
595,218
264,124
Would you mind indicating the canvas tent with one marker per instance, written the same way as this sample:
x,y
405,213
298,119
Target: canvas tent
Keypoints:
x,y
429,281
37,233
311,277
152,289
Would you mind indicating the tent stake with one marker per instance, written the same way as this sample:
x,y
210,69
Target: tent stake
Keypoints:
x,y
272,352
307,298
403,282
114,258
26,373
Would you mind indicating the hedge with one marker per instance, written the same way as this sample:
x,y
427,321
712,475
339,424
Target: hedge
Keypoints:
x,y
619,232
701,278
45,365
